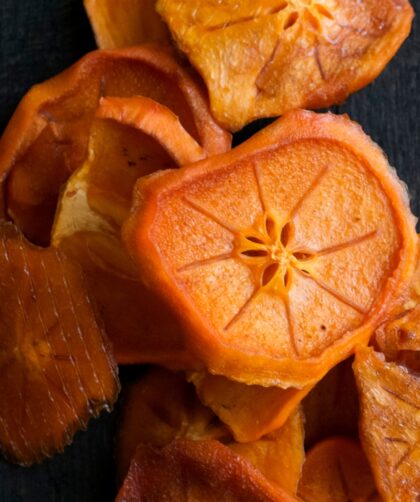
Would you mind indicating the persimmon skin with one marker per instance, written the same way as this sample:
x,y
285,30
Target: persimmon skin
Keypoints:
x,y
160,269
262,58
190,471
389,424
46,140
57,369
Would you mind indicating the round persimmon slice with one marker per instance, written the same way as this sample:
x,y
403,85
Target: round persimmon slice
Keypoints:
x,y
336,470
56,367
261,58
130,137
282,255
47,137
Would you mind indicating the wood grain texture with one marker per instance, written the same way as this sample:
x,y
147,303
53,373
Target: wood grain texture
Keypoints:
x,y
39,38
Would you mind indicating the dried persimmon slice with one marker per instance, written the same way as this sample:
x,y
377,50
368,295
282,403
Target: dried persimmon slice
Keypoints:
x,y
267,268
261,58
133,137
159,407
390,424
47,138
278,455
196,471
337,470
250,411
56,367
126,23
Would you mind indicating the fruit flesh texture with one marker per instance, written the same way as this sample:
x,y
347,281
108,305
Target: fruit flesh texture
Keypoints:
x,y
57,371
125,23
250,411
94,205
336,470
263,58
162,406
284,251
390,424
193,471
47,138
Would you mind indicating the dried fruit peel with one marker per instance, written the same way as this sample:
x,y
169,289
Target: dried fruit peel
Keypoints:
x,y
389,424
92,208
255,237
263,58
125,23
208,471
57,369
47,138
250,411
336,470
278,455
159,407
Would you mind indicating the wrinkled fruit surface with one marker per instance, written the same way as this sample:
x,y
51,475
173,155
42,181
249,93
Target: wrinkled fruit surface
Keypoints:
x,y
261,58
56,368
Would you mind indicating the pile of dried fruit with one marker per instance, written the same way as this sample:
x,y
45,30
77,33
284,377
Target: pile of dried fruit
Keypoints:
x,y
251,276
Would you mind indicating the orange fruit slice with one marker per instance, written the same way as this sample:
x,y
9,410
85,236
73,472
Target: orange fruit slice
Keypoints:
x,y
332,406
204,470
47,138
125,23
261,58
288,250
336,470
159,407
390,424
56,368
138,136
250,411
278,455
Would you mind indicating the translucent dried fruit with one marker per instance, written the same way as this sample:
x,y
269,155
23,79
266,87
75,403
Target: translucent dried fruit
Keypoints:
x,y
263,58
142,136
188,470
56,368
336,470
250,411
125,23
390,424
332,407
47,138
268,279
278,455
159,407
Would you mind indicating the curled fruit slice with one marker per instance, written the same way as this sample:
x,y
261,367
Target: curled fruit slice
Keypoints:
x,y
125,23
278,455
159,407
250,411
47,138
143,137
332,407
196,470
262,58
390,424
267,268
56,370
336,470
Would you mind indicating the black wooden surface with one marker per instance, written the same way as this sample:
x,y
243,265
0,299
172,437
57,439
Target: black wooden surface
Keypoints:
x,y
38,38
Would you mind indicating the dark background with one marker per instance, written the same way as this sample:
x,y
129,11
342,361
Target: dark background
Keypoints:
x,y
39,38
